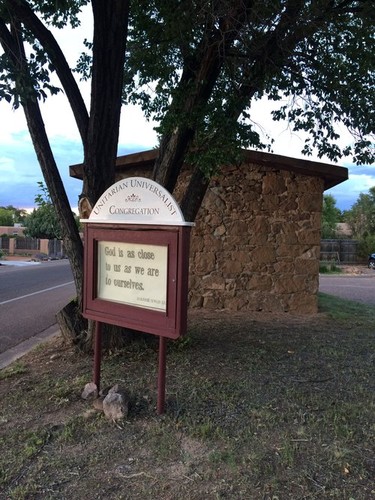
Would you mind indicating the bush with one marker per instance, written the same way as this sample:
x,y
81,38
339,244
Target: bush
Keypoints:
x,y
327,266
366,245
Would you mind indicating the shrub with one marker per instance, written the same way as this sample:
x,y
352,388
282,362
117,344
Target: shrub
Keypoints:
x,y
328,266
366,245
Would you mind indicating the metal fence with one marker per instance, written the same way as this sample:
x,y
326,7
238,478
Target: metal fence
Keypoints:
x,y
340,251
55,248
4,243
26,243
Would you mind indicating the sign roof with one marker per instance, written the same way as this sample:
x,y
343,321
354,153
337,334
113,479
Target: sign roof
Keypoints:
x,y
137,200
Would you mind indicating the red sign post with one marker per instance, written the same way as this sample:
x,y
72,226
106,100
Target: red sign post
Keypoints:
x,y
136,266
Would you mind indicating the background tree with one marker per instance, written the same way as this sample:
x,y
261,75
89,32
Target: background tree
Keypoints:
x,y
43,222
330,217
6,217
10,215
361,219
195,67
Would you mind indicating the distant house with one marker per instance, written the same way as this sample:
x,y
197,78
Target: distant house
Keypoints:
x,y
16,230
256,242
344,230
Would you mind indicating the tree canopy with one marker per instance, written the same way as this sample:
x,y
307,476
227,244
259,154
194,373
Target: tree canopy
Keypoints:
x,y
10,215
43,222
315,59
6,217
197,67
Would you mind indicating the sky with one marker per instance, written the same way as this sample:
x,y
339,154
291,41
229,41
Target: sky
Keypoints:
x,y
20,171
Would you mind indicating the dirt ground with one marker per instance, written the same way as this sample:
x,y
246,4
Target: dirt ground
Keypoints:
x,y
356,269
257,407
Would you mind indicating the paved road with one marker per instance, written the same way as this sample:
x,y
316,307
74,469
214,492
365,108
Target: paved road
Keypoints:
x,y
359,288
30,297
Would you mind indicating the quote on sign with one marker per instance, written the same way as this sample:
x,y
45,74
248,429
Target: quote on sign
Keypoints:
x,y
133,274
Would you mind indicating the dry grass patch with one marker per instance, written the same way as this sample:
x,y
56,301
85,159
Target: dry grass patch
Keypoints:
x,y
257,408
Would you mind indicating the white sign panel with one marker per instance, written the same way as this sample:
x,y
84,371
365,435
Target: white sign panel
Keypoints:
x,y
137,200
133,274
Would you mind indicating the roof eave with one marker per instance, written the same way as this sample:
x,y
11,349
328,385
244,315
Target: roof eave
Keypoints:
x,y
331,174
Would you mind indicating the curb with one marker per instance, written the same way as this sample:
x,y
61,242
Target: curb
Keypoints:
x,y
19,350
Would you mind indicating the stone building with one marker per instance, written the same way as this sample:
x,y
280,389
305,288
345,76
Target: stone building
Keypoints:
x,y
256,242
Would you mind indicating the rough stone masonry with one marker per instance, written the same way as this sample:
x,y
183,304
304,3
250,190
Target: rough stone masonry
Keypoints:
x,y
256,242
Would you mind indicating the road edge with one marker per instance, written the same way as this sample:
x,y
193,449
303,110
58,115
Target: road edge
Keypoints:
x,y
19,350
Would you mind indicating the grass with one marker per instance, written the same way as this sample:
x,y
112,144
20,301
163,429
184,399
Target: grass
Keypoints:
x,y
343,309
257,408
17,368
329,267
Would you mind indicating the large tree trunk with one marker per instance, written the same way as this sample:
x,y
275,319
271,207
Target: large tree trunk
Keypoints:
x,y
74,327
100,145
70,235
99,132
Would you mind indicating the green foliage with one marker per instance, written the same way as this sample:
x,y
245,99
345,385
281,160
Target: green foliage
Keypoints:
x,y
6,217
366,245
43,221
329,267
43,198
16,84
316,60
361,217
330,217
11,215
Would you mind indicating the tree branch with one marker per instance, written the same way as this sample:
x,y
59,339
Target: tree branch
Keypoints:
x,y
22,11
198,79
13,46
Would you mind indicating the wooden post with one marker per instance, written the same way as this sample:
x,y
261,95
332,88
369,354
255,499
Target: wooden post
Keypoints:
x,y
97,353
161,374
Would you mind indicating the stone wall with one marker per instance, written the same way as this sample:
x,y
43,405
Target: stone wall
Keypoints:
x,y
256,242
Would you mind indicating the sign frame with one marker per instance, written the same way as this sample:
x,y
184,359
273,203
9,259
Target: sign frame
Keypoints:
x,y
172,322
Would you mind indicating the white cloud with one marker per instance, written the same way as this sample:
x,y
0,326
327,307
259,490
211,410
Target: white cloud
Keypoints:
x,y
361,183
7,167
347,193
135,130
12,122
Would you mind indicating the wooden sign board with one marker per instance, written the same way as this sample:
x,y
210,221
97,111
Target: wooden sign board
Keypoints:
x,y
137,259
137,277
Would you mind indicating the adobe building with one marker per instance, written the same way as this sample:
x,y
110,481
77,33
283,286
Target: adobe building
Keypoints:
x,y
256,242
